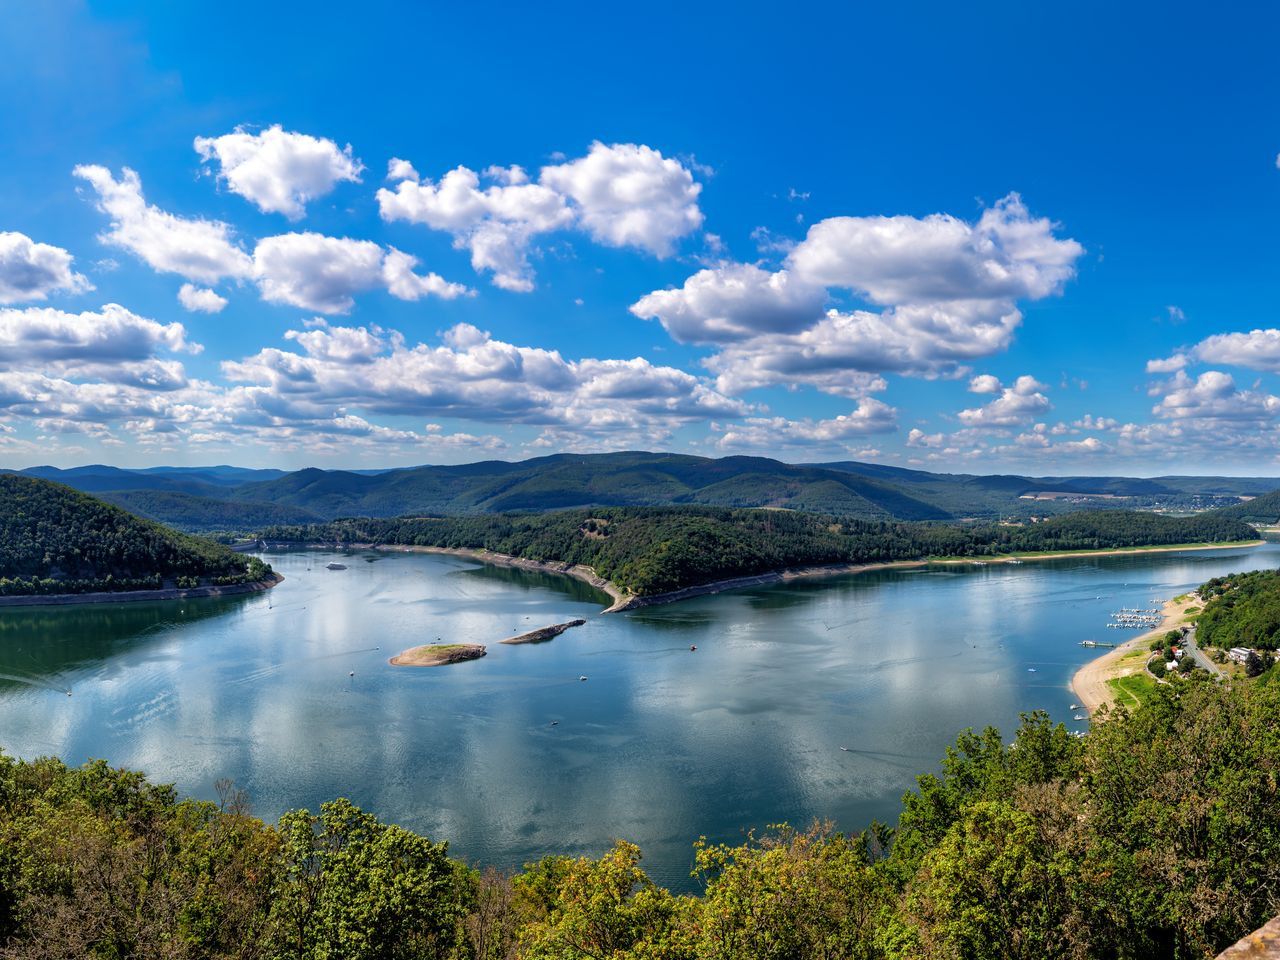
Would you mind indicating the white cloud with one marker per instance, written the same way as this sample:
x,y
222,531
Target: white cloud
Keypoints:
x,y
630,195
871,416
279,171
200,250
1255,350
403,284
195,298
918,438
845,353
317,272
495,223
1005,255
1169,365
984,383
1212,396
622,195
43,335
32,271
948,288
733,302
398,169
1017,405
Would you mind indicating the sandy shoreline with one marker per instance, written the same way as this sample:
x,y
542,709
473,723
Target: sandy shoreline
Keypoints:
x,y
1090,682
135,596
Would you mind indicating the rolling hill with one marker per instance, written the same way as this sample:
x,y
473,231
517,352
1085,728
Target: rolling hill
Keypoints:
x,y
57,540
230,498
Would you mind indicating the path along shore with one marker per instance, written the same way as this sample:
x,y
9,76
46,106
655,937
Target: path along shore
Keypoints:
x,y
1090,682
134,596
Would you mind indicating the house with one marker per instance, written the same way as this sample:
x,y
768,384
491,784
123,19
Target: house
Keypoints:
x,y
1239,654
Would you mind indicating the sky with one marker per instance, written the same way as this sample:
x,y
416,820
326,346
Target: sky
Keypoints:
x,y
978,238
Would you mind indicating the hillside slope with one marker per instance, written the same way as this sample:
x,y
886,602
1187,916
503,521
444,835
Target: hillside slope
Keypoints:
x,y
57,540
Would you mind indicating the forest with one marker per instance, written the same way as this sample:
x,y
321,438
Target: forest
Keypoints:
x,y
1155,836
56,540
1242,609
653,550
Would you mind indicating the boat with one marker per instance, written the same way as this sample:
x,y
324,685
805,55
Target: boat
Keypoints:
x,y
336,566
1075,706
1031,669
1079,716
583,677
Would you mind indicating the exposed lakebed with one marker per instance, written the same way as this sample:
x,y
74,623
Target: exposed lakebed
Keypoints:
x,y
512,755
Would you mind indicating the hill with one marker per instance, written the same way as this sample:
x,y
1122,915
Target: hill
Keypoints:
x,y
653,550
847,488
195,514
57,540
1264,509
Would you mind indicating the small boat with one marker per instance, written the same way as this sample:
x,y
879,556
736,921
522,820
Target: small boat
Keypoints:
x,y
1075,706
336,566
1079,716
582,677
845,749
1031,669
692,647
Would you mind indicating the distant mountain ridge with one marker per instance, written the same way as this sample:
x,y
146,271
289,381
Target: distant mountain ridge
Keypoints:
x,y
233,498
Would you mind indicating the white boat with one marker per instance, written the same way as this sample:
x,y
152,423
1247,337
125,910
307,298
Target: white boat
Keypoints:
x,y
1079,716
335,566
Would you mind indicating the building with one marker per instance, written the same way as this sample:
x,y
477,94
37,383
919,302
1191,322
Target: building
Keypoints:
x,y
1239,654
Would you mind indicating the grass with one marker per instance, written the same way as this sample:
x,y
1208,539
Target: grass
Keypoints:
x,y
1134,690
1045,554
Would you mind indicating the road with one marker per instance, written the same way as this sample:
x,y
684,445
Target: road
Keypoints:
x,y
1189,645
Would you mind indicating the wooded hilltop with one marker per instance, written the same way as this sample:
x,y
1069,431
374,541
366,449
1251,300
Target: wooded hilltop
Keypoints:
x,y
56,540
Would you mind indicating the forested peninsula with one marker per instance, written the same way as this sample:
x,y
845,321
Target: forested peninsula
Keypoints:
x,y
655,550
55,541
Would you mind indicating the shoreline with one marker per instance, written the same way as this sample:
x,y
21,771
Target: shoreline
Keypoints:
x,y
137,596
1089,683
623,601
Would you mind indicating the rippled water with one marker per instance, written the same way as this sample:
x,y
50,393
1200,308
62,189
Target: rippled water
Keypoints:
x,y
659,745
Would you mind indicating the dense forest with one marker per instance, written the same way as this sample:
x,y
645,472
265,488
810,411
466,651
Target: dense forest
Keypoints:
x,y
205,515
653,550
1156,836
1243,609
56,540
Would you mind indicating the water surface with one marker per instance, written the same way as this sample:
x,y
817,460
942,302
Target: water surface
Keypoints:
x,y
513,756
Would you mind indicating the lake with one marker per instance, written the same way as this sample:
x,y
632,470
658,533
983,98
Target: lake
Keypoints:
x,y
512,756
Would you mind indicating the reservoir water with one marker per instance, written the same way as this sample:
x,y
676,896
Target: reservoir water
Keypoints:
x,y
512,756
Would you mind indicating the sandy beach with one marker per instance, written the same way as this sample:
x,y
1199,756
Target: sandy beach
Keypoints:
x,y
1090,682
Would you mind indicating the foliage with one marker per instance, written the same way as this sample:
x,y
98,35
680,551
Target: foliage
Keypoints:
x,y
56,540
1243,610
1156,836
659,549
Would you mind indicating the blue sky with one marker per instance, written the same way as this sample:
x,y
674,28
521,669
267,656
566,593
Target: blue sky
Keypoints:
x,y
978,238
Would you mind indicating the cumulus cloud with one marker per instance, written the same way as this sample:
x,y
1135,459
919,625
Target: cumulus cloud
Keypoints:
x,y
318,272
630,195
871,416
1212,396
200,250
1006,255
1168,365
1016,405
470,375
1255,350
279,171
733,302
918,438
846,353
624,195
948,290
43,335
32,271
200,299
984,383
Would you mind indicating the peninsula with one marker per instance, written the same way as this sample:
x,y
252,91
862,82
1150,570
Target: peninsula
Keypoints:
x,y
438,655
58,545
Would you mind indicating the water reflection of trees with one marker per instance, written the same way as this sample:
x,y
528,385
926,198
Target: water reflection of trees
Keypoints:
x,y
47,641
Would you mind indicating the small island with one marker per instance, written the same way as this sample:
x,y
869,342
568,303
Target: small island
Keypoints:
x,y
438,654
543,634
